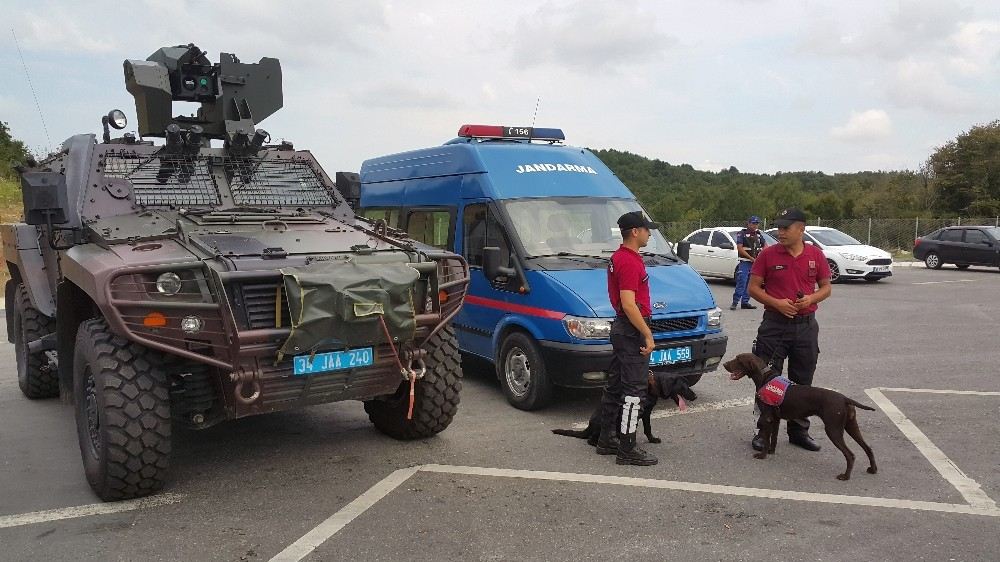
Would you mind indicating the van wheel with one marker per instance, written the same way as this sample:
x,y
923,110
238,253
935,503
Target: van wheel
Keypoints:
x,y
122,402
436,396
35,376
522,373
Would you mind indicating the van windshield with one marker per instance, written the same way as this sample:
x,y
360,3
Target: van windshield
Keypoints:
x,y
581,226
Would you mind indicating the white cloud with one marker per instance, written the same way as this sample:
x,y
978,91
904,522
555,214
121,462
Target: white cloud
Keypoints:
x,y
864,126
60,31
925,84
399,95
588,36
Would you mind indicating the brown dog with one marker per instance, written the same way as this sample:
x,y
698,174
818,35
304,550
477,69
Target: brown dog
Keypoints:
x,y
836,410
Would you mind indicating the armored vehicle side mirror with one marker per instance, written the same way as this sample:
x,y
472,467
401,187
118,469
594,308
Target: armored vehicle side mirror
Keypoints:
x,y
45,198
349,186
491,264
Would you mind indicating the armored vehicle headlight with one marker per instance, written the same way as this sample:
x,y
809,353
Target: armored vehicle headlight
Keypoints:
x,y
192,324
168,283
116,118
588,328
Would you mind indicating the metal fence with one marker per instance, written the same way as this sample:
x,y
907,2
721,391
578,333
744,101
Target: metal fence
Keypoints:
x,y
892,235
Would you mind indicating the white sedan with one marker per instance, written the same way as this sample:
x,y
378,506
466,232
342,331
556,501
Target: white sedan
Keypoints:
x,y
713,251
848,257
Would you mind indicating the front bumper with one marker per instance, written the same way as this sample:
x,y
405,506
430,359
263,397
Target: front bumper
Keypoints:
x,y
585,365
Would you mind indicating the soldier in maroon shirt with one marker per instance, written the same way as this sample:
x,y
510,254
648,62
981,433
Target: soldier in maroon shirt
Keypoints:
x,y
632,342
790,279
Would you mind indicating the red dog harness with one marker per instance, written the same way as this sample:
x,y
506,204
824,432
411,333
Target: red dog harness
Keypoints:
x,y
773,391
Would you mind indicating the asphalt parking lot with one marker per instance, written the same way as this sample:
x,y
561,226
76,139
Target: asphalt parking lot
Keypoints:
x,y
322,484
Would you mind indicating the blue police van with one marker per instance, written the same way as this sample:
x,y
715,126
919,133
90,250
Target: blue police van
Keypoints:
x,y
537,222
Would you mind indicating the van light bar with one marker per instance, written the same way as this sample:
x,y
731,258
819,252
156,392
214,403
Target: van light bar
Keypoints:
x,y
503,132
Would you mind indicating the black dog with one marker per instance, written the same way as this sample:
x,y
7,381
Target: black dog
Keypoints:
x,y
836,410
660,386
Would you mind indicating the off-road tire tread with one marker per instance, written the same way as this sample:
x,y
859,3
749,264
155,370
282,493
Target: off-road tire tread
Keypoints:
x,y
40,381
437,395
136,394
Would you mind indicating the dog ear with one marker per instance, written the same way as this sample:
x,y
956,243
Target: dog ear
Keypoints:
x,y
753,364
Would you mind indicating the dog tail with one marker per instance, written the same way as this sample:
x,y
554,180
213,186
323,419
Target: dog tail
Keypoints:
x,y
860,405
579,434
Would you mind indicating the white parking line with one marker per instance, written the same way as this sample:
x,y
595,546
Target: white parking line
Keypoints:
x,y
308,543
969,488
87,510
948,281
304,546
978,502
708,407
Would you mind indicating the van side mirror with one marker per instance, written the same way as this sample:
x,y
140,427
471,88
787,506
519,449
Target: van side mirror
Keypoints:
x,y
726,246
683,250
491,264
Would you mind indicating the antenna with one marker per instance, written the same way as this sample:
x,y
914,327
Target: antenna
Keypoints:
x,y
32,87
538,101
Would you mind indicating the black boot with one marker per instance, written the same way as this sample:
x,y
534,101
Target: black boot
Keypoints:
x,y
747,306
607,442
802,439
630,453
757,442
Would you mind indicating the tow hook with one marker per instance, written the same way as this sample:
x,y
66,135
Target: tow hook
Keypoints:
x,y
240,378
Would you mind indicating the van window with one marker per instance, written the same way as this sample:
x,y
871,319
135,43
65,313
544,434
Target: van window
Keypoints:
x,y
430,227
390,216
480,228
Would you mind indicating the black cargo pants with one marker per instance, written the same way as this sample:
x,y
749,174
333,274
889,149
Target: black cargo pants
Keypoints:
x,y
796,339
628,379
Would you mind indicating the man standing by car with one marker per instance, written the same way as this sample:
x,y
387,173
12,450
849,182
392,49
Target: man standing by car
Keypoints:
x,y
749,243
632,342
790,279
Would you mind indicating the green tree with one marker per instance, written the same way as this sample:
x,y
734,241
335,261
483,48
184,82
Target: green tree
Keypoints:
x,y
966,172
12,152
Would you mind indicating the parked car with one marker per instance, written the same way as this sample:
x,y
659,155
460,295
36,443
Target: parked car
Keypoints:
x,y
960,245
712,251
847,256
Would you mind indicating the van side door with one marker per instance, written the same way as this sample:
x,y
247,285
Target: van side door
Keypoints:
x,y
488,300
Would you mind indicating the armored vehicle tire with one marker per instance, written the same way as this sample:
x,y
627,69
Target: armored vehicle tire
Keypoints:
x,y
522,373
34,376
122,403
436,394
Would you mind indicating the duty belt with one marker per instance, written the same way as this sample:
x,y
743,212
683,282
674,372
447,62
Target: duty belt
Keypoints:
x,y
777,316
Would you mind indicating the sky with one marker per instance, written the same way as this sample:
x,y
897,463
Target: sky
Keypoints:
x,y
766,86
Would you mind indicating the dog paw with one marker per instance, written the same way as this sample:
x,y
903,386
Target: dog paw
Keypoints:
x,y
760,455
872,470
843,477
655,440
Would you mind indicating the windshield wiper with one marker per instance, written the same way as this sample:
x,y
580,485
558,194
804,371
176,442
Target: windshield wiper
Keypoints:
x,y
655,255
567,255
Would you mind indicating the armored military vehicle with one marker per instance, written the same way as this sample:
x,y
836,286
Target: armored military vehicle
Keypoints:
x,y
186,282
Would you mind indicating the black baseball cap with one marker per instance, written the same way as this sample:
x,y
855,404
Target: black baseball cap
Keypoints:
x,y
635,219
787,216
